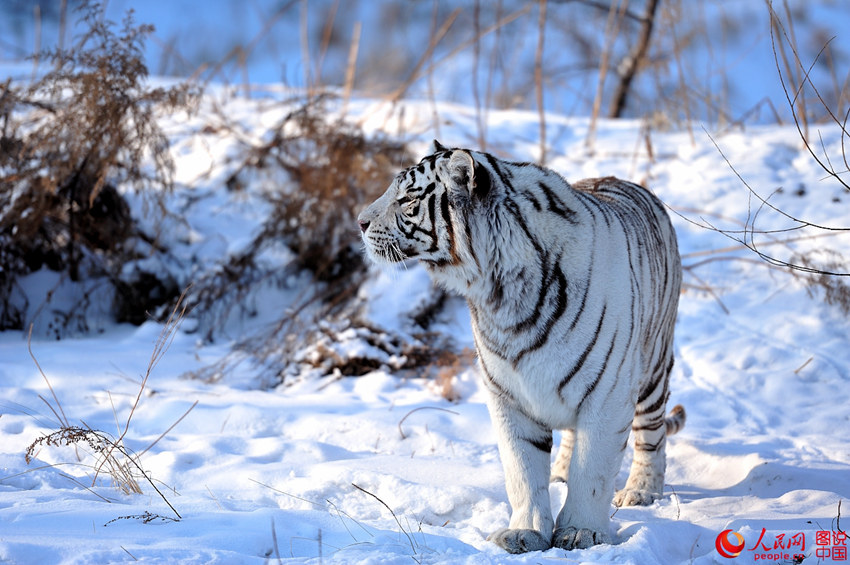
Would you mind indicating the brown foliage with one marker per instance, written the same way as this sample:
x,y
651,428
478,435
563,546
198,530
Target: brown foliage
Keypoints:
x,y
335,169
332,168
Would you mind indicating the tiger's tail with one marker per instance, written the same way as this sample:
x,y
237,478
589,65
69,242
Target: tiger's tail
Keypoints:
x,y
675,420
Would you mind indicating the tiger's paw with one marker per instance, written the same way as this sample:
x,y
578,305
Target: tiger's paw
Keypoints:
x,y
579,538
519,541
635,497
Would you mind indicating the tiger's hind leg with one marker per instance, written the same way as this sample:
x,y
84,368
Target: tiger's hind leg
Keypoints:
x,y
646,476
561,468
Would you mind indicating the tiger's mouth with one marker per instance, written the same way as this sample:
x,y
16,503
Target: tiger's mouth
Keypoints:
x,y
384,250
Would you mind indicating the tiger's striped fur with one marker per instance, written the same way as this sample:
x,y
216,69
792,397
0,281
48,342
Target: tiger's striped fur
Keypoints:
x,y
573,291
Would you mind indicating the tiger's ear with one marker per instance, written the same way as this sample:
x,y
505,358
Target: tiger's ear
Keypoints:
x,y
467,175
436,147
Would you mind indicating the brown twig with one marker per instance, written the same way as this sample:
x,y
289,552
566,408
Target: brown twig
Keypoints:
x,y
396,95
277,549
351,66
167,431
327,33
612,30
146,518
803,366
163,342
676,498
340,513
707,288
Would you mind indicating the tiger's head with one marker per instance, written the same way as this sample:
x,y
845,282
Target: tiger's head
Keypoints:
x,y
421,213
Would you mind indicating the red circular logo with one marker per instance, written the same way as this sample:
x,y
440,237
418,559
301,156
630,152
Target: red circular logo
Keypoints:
x,y
727,548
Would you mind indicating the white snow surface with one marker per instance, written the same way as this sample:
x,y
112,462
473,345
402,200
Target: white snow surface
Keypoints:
x,y
258,475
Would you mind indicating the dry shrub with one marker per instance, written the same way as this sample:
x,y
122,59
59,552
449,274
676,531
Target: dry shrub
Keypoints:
x,y
317,174
330,170
68,140
335,169
353,349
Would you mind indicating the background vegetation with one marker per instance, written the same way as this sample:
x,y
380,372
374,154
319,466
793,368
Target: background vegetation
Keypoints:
x,y
79,132
674,59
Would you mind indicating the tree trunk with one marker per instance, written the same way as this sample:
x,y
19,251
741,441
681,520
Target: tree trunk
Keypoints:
x,y
628,67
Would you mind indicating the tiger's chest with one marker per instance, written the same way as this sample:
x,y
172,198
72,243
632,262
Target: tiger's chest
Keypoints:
x,y
535,392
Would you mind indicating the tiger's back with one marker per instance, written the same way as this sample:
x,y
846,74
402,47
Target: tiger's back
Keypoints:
x,y
573,293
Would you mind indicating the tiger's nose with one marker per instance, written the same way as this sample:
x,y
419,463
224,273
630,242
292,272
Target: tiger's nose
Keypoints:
x,y
364,225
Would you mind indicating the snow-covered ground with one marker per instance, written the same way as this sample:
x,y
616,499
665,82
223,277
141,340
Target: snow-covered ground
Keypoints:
x,y
383,469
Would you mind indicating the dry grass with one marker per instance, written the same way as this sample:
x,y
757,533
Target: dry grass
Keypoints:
x,y
111,457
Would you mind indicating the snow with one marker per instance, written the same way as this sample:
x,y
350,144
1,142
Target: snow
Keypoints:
x,y
381,468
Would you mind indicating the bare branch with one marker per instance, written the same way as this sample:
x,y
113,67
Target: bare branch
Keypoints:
x,y
793,101
746,237
538,80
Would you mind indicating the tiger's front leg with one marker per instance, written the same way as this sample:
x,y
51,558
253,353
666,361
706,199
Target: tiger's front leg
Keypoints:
x,y
597,455
524,447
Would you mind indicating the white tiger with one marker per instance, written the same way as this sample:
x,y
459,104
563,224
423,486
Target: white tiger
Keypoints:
x,y
573,291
